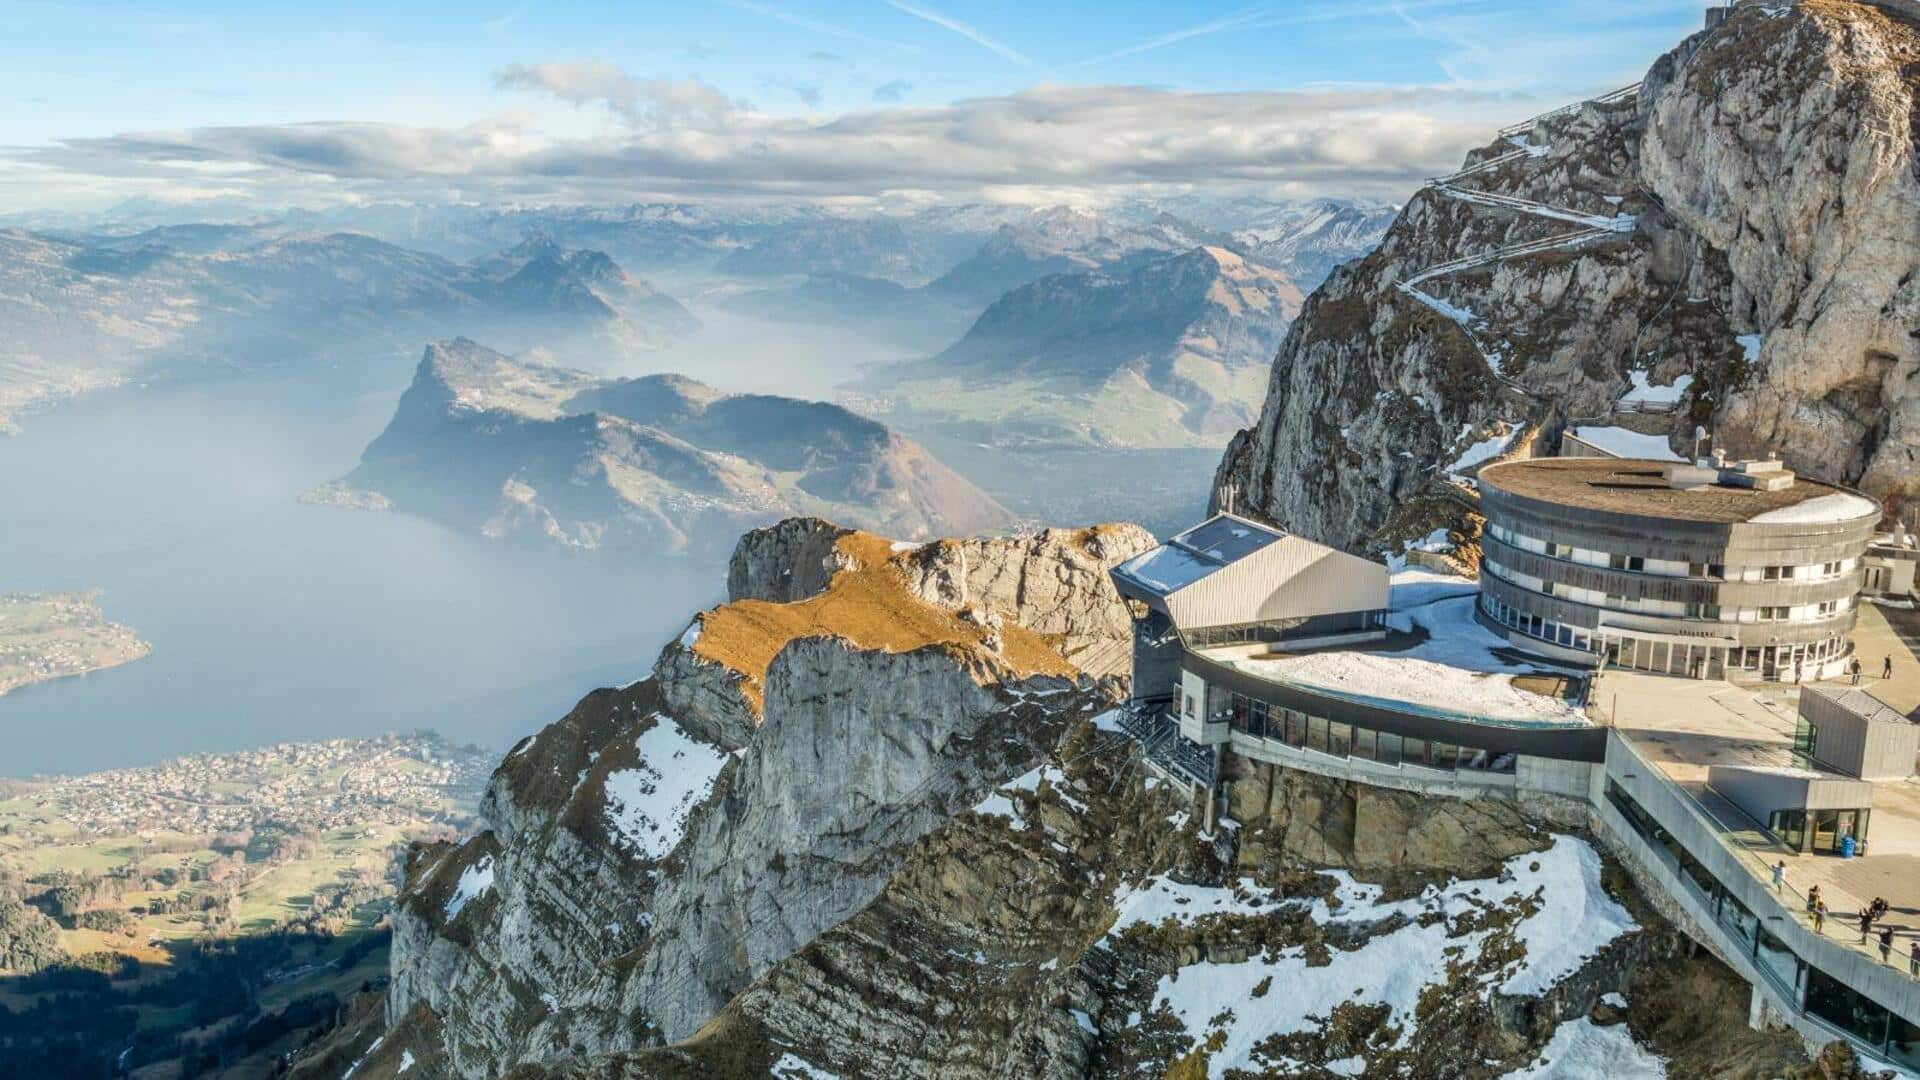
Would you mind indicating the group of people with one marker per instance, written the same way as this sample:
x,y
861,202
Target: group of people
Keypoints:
x,y
1874,912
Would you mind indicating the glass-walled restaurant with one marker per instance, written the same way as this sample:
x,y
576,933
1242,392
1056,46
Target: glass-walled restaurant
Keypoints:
x,y
1304,731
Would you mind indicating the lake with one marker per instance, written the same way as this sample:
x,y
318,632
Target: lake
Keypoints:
x,y
271,620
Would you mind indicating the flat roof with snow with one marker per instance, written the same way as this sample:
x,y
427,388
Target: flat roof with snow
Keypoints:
x,y
1638,487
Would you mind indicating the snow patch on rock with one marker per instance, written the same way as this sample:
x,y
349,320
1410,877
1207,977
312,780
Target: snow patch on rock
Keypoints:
x,y
474,880
647,805
1583,1050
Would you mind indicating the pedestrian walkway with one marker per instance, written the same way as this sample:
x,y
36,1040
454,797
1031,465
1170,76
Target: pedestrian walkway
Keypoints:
x,y
1595,227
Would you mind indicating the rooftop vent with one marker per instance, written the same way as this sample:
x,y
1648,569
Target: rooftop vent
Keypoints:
x,y
1759,474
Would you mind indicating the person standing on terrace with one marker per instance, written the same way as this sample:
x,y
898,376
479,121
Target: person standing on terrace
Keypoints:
x,y
1779,875
1886,944
1820,919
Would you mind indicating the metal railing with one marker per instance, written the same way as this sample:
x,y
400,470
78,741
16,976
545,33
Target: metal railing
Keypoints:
x,y
1158,733
1839,927
1608,98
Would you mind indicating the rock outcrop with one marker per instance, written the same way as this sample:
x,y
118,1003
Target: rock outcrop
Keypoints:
x,y
1078,923
661,464
1734,246
655,851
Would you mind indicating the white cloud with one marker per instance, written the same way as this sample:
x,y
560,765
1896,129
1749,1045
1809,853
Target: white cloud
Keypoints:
x,y
686,140
583,82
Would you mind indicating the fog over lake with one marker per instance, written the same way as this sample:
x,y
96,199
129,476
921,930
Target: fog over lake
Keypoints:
x,y
271,620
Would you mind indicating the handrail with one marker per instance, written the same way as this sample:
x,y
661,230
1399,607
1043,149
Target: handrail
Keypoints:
x,y
1763,872
1501,254
1608,98
1493,162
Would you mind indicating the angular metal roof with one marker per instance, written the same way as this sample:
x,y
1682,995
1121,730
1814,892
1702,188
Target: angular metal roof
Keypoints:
x,y
1217,542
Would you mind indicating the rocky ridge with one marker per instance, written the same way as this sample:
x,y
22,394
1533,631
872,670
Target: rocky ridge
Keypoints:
x,y
512,447
1078,923
651,853
1737,238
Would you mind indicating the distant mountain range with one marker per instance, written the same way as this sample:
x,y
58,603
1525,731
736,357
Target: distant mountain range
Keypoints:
x,y
89,307
80,315
1063,241
1171,353
509,447
1309,240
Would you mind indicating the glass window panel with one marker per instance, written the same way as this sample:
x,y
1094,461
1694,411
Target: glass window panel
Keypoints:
x,y
1389,749
1825,840
1413,751
1364,744
1838,1004
1339,739
1775,957
1903,1044
1317,733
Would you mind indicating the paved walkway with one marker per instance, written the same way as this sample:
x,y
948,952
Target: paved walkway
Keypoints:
x,y
1883,632
1685,726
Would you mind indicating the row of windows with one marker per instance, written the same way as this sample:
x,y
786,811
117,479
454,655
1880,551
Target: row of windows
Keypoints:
x,y
1640,564
1669,609
1640,654
1303,731
1826,997
1273,633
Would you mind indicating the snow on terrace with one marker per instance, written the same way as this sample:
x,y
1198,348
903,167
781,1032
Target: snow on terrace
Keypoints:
x,y
1455,669
1555,910
648,804
1825,510
1627,443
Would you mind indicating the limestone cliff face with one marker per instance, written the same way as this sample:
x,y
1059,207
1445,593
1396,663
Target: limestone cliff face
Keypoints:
x,y
1742,231
1788,147
665,844
1079,924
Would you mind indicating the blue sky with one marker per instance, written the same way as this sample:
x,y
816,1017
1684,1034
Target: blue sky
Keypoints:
x,y
616,101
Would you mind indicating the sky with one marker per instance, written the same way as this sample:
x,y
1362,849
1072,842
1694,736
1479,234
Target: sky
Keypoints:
x,y
856,101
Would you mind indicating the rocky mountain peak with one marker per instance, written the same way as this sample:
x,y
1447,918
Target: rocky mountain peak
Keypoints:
x,y
514,447
1741,228
652,852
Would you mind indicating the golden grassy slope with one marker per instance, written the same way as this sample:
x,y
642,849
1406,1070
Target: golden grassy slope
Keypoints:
x,y
869,606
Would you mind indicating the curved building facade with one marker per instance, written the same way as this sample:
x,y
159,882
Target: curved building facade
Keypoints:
x,y
1736,571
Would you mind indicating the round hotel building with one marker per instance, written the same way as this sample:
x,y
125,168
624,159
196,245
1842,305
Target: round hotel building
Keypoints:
x,y
1735,570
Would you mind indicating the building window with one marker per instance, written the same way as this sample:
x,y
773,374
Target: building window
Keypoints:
x,y
1317,733
1389,749
1790,826
1845,1008
1339,739
1364,743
